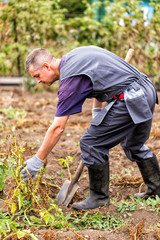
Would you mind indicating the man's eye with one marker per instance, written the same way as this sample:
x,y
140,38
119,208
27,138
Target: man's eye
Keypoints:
x,y
36,76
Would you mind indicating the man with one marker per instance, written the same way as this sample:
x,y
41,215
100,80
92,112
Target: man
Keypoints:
x,y
93,72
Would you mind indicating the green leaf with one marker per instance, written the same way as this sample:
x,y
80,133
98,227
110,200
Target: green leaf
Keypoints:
x,y
33,236
46,218
20,202
35,219
20,234
13,209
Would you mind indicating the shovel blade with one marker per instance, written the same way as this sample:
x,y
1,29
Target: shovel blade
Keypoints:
x,y
64,196
61,196
71,194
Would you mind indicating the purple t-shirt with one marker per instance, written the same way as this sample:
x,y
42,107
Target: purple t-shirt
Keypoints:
x,y
72,93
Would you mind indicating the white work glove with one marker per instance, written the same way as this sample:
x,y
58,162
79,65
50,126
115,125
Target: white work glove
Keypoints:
x,y
95,111
33,165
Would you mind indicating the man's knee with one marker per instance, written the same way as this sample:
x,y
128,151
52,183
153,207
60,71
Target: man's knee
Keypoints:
x,y
137,155
83,143
91,155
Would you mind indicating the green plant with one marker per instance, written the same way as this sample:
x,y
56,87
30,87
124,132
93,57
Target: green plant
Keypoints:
x,y
24,198
22,24
19,192
154,203
61,173
73,7
65,163
27,24
9,225
3,172
125,207
12,113
98,221
10,159
77,143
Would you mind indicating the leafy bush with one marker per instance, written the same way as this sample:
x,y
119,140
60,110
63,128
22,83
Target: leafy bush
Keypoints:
x,y
26,25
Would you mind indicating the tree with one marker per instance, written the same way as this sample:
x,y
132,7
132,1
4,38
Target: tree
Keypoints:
x,y
24,24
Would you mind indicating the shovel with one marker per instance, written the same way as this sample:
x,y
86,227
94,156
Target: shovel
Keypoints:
x,y
69,188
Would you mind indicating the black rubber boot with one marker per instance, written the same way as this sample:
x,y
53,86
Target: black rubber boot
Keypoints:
x,y
99,185
150,171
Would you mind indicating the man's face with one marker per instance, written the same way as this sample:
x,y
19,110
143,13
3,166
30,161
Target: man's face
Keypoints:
x,y
46,75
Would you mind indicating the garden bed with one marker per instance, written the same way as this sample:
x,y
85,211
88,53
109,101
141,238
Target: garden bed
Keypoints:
x,y
125,218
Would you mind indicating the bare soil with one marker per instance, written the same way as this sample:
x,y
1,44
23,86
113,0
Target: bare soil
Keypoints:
x,y
125,176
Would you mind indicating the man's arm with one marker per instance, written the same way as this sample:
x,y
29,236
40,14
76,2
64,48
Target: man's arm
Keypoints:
x,y
96,103
52,136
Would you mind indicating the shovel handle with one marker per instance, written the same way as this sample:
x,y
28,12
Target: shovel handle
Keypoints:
x,y
73,184
77,173
129,55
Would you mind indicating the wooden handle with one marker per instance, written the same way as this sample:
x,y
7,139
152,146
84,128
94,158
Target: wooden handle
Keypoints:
x,y
129,55
77,173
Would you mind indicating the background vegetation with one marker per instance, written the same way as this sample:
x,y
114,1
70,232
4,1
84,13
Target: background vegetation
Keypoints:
x,y
63,25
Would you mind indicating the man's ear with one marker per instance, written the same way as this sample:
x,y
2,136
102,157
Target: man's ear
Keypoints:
x,y
46,65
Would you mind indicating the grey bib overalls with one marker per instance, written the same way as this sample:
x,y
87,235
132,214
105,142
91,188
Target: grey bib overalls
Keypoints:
x,y
126,121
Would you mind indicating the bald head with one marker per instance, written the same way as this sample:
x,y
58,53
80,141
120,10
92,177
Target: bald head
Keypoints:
x,y
37,57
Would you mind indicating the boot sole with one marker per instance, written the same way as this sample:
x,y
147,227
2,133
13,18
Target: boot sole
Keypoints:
x,y
107,203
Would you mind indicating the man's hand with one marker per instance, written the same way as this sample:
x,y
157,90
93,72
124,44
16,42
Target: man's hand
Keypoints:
x,y
32,166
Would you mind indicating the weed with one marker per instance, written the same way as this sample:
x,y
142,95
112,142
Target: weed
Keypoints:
x,y
65,163
77,143
20,191
9,225
49,177
154,203
12,113
56,220
125,207
129,171
3,171
29,203
25,199
61,173
98,221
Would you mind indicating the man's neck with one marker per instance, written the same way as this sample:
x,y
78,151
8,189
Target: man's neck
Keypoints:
x,y
58,62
